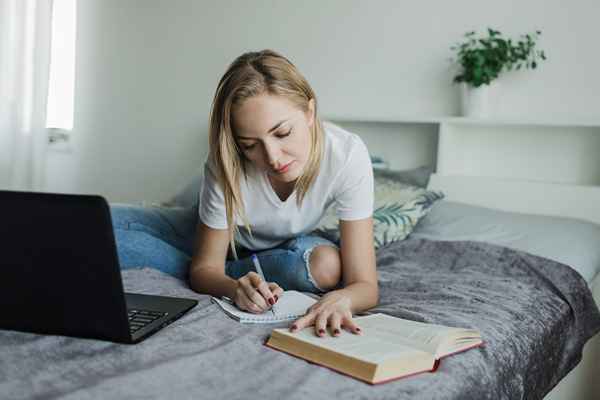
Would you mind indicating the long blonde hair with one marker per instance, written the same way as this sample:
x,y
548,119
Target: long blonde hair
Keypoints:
x,y
252,74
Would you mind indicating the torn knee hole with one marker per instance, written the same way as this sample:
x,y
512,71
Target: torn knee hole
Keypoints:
x,y
325,266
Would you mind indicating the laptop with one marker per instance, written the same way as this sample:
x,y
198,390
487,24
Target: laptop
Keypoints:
x,y
60,274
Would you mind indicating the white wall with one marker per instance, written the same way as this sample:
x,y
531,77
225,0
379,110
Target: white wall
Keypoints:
x,y
147,70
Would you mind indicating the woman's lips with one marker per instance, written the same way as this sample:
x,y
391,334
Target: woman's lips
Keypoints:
x,y
285,168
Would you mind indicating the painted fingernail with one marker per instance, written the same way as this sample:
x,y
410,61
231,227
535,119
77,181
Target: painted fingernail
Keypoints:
x,y
294,327
336,331
271,301
276,297
321,331
358,330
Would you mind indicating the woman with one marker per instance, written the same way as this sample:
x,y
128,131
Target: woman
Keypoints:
x,y
273,170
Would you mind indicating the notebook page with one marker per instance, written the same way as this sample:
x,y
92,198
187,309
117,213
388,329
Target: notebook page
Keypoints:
x,y
291,305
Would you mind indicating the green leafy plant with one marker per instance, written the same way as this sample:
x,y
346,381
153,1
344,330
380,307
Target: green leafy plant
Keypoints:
x,y
483,58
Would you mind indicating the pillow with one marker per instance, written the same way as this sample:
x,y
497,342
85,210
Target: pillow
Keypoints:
x,y
417,177
569,241
398,208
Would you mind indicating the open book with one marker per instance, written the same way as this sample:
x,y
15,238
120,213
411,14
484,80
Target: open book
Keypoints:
x,y
291,305
389,348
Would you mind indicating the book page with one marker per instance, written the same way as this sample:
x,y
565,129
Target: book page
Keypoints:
x,y
370,346
384,337
435,339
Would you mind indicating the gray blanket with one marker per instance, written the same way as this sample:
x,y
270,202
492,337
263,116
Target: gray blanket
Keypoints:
x,y
534,314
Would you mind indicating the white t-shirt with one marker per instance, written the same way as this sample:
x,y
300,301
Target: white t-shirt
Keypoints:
x,y
345,180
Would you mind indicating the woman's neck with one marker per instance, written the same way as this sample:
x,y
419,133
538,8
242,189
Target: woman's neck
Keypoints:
x,y
282,189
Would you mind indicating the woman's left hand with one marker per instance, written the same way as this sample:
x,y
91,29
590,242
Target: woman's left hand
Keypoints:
x,y
333,310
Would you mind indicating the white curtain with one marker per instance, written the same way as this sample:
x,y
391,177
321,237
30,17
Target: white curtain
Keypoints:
x,y
25,27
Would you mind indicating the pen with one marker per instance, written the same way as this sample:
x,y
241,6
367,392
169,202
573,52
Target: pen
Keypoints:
x,y
262,275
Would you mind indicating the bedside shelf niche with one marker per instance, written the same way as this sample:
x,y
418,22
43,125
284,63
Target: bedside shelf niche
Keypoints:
x,y
551,151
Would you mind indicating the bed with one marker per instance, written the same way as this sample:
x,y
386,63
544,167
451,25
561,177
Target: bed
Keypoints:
x,y
564,229
462,265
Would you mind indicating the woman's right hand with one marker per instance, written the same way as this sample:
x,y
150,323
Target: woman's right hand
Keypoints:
x,y
255,295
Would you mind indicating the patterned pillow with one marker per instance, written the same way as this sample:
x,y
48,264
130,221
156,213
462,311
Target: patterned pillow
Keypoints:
x,y
398,208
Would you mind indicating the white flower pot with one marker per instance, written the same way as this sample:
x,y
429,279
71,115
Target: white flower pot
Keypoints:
x,y
477,102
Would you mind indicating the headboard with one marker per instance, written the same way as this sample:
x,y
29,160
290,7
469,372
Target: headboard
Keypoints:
x,y
567,200
546,167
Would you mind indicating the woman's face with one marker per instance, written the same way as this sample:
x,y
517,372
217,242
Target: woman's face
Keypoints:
x,y
274,135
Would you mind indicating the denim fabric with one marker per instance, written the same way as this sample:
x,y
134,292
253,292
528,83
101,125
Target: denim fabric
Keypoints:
x,y
288,264
163,238
157,237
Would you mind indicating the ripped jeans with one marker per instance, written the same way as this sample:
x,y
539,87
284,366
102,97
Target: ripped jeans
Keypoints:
x,y
163,238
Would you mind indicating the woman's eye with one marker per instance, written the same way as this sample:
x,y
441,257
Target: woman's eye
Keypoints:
x,y
282,135
249,147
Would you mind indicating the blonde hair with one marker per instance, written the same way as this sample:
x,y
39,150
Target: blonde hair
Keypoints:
x,y
249,75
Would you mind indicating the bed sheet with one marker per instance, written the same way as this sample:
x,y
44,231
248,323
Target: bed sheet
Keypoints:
x,y
534,315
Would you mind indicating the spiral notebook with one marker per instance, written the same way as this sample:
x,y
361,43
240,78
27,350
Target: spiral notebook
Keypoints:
x,y
291,305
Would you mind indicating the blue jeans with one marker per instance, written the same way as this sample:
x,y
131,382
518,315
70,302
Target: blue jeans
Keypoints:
x,y
163,238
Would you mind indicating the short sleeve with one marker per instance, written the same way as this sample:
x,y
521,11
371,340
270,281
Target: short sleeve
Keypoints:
x,y
354,194
211,209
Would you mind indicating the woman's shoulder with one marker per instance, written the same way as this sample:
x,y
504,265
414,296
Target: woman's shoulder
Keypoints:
x,y
336,133
340,144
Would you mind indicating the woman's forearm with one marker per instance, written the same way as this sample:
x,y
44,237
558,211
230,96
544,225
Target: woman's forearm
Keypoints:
x,y
213,282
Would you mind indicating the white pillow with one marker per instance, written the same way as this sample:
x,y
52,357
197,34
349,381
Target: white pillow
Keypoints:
x,y
567,240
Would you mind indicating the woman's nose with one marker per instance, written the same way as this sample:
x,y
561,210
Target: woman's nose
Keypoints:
x,y
271,154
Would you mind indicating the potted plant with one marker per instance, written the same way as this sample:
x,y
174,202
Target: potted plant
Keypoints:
x,y
483,59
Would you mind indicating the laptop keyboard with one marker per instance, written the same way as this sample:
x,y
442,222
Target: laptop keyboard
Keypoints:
x,y
140,318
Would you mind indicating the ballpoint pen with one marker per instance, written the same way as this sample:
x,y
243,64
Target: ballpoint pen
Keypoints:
x,y
262,275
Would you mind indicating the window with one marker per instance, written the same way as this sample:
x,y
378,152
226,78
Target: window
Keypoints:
x,y
61,85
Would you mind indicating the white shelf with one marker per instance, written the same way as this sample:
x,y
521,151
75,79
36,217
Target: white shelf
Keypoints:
x,y
386,119
493,121
533,165
546,150
521,122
